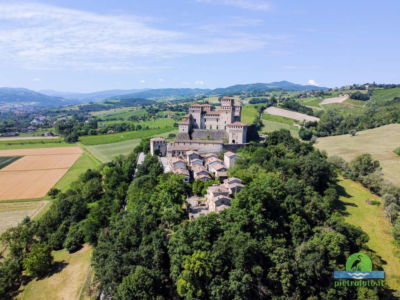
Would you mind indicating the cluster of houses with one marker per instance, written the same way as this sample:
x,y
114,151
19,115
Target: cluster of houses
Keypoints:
x,y
201,166
217,198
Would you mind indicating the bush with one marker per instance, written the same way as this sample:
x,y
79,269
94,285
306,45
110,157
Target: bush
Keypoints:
x,y
305,134
396,230
397,151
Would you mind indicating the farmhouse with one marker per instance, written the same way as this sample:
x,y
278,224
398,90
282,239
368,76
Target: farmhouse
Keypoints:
x,y
205,129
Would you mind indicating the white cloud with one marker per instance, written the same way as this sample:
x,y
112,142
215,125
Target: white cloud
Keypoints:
x,y
38,36
246,4
312,82
142,81
199,82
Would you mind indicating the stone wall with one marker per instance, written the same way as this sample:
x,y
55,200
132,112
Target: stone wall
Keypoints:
x,y
202,134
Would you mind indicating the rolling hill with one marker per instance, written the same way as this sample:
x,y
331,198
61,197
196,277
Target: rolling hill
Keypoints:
x,y
29,98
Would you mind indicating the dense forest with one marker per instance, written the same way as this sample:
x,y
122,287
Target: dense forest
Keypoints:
x,y
282,238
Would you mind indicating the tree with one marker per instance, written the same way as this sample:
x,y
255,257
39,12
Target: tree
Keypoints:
x,y
10,276
142,283
305,134
195,276
53,193
74,239
38,262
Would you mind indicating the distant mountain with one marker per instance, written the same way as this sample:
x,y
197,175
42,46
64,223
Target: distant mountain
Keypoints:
x,y
29,98
257,87
91,97
166,93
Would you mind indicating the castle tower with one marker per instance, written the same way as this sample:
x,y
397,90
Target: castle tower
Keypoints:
x,y
158,146
237,133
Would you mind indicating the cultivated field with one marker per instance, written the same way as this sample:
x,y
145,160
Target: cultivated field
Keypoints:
x,y
379,142
339,99
273,123
372,220
106,152
11,214
290,114
122,136
36,172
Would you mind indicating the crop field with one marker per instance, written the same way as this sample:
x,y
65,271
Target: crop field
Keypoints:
x,y
339,99
273,123
23,143
289,114
379,142
11,214
122,136
36,172
372,220
71,271
106,152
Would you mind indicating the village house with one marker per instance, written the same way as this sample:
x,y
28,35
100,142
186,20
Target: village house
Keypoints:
x,y
229,159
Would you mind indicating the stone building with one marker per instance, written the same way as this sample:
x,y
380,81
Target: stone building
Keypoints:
x,y
206,129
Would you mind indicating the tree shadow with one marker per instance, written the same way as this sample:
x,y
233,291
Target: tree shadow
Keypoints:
x,y
340,204
57,267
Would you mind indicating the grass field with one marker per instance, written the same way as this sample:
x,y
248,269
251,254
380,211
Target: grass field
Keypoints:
x,y
273,123
122,136
85,161
106,152
311,101
249,113
151,124
372,220
67,281
385,95
119,113
379,142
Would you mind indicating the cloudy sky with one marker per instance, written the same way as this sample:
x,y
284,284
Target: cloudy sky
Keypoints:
x,y
88,45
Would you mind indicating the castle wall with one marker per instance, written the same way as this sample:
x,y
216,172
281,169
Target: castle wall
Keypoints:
x,y
203,134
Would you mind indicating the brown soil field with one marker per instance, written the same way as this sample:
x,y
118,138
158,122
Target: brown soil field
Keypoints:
x,y
42,162
33,175
290,114
339,99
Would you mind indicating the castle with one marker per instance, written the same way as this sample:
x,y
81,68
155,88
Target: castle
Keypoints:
x,y
206,129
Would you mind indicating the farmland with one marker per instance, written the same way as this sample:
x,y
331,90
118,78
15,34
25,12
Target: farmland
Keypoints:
x,y
106,152
32,143
12,213
372,220
338,99
289,114
122,136
379,142
36,172
272,123
151,124
249,113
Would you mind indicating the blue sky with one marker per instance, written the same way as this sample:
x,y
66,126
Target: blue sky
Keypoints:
x,y
97,45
